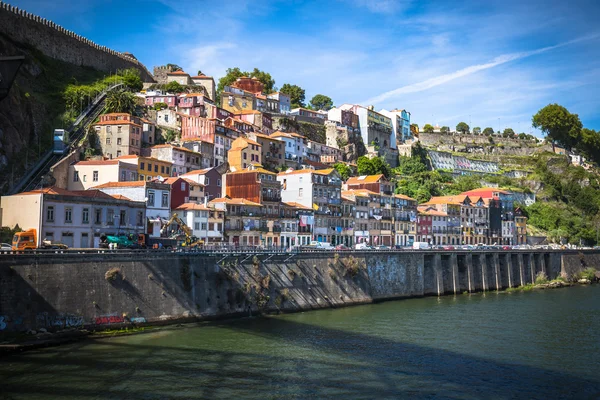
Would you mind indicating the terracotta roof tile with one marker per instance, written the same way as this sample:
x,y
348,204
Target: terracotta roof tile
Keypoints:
x,y
356,180
193,207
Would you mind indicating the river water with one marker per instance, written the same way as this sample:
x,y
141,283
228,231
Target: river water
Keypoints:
x,y
542,345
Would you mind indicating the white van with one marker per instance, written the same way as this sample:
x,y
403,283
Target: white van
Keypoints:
x,y
321,245
362,246
421,245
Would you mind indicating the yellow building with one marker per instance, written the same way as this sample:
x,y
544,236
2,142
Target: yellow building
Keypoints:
x,y
149,167
243,153
237,102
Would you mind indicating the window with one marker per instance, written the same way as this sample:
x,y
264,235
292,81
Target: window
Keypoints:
x,y
85,216
150,198
118,153
98,216
218,182
165,200
244,156
50,214
68,215
203,226
107,140
207,181
110,217
123,217
140,218
197,226
108,129
123,175
183,186
149,167
119,129
76,176
300,192
156,168
162,169
133,142
95,176
141,177
142,165
167,170
118,141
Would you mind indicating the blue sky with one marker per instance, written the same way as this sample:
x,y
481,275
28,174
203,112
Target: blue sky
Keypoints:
x,y
488,63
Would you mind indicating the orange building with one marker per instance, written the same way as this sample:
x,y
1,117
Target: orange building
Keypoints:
x,y
243,153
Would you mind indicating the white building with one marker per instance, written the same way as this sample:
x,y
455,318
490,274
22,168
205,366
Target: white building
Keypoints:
x,y
75,218
157,197
199,218
183,160
86,174
295,145
285,101
400,124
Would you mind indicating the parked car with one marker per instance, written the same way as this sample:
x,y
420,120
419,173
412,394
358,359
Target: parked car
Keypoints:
x,y
321,245
342,247
421,245
5,246
506,248
362,246
448,247
382,247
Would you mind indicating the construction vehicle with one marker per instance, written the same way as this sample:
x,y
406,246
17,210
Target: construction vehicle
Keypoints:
x,y
28,240
183,234
131,241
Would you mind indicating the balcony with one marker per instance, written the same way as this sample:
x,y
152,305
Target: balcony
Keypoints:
x,y
276,199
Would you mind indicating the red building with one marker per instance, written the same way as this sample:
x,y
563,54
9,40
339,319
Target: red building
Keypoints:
x,y
180,191
424,226
251,85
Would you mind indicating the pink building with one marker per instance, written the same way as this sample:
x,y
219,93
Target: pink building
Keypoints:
x,y
197,128
192,104
169,99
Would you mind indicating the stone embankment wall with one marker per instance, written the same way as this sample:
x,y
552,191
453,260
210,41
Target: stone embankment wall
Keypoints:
x,y
480,144
57,42
103,290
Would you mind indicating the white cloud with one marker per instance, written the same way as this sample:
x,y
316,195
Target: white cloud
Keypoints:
x,y
442,79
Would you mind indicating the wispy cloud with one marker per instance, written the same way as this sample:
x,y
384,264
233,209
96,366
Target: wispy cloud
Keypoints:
x,y
383,6
442,79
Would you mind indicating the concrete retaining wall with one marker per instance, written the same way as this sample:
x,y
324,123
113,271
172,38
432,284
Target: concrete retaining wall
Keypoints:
x,y
64,291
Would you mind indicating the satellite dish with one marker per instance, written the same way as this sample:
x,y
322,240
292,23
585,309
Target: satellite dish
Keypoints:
x,y
160,178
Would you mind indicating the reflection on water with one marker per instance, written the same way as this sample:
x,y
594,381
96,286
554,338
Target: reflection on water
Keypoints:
x,y
525,345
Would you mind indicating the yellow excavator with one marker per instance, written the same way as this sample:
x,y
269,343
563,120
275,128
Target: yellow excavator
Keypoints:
x,y
182,230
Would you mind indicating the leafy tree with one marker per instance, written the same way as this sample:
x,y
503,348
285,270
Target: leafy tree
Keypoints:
x,y
522,136
559,125
321,102
296,93
374,166
414,127
120,101
174,87
590,144
462,127
508,132
488,131
445,129
131,78
230,76
428,128
174,67
477,130
411,166
160,106
199,73
343,169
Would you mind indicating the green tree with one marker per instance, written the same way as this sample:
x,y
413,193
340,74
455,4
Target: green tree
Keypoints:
x,y
321,102
477,130
559,125
444,129
343,169
232,74
462,127
522,136
508,132
296,93
160,106
374,166
174,87
120,101
411,166
174,67
428,128
488,131
414,127
131,78
199,73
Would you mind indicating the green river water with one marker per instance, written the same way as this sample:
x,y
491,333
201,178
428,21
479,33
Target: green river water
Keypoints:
x,y
541,345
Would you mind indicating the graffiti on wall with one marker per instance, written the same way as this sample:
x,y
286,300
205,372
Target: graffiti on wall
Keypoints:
x,y
46,320
6,321
137,320
109,319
